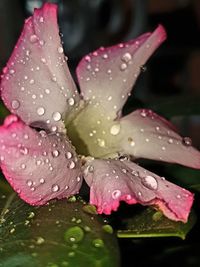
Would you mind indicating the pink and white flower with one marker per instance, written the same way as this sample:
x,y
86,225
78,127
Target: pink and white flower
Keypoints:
x,y
82,135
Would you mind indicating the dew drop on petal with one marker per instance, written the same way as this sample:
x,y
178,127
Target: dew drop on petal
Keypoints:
x,y
60,50
55,153
126,57
150,182
23,166
143,68
29,182
116,194
68,155
143,113
115,129
101,142
40,111
187,141
55,188
33,38
71,165
71,101
42,181
56,116
170,141
123,66
15,104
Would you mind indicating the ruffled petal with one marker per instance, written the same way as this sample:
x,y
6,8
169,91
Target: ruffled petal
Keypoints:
x,y
144,134
112,181
107,75
36,83
38,166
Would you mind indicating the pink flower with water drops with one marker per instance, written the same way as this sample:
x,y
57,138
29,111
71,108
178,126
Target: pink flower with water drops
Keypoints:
x,y
82,135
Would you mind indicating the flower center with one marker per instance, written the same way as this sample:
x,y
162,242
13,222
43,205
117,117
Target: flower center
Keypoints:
x,y
93,133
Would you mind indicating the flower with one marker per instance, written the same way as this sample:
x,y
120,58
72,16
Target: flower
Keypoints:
x,y
38,89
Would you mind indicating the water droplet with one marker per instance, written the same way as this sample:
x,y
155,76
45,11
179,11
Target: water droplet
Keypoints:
x,y
47,91
11,71
40,240
43,60
54,128
31,215
143,113
68,155
41,19
123,66
126,57
24,151
33,38
71,165
55,153
116,194
187,141
55,188
40,111
23,166
143,68
130,140
60,50
98,243
101,142
29,182
105,56
42,181
150,182
31,81
74,234
170,141
88,58
71,101
15,104
115,129
108,228
26,136
56,116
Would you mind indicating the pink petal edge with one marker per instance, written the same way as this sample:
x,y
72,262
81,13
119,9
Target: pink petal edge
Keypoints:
x,y
112,181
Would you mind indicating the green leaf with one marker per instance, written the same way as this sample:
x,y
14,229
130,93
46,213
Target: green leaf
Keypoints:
x,y
176,106
3,111
56,235
151,223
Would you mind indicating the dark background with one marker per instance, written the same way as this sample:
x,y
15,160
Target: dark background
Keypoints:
x,y
172,73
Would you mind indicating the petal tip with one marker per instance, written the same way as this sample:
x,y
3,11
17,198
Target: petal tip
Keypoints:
x,y
161,32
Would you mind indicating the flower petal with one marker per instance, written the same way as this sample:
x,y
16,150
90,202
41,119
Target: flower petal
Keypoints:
x,y
36,84
38,166
112,181
107,75
144,134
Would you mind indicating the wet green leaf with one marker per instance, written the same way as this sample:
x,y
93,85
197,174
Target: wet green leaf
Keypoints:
x,y
151,223
55,235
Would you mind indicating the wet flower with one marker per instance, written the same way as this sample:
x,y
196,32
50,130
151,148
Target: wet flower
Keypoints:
x,y
84,135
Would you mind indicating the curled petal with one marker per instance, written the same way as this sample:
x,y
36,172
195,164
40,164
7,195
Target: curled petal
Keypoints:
x,y
112,181
38,166
144,134
36,83
107,75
